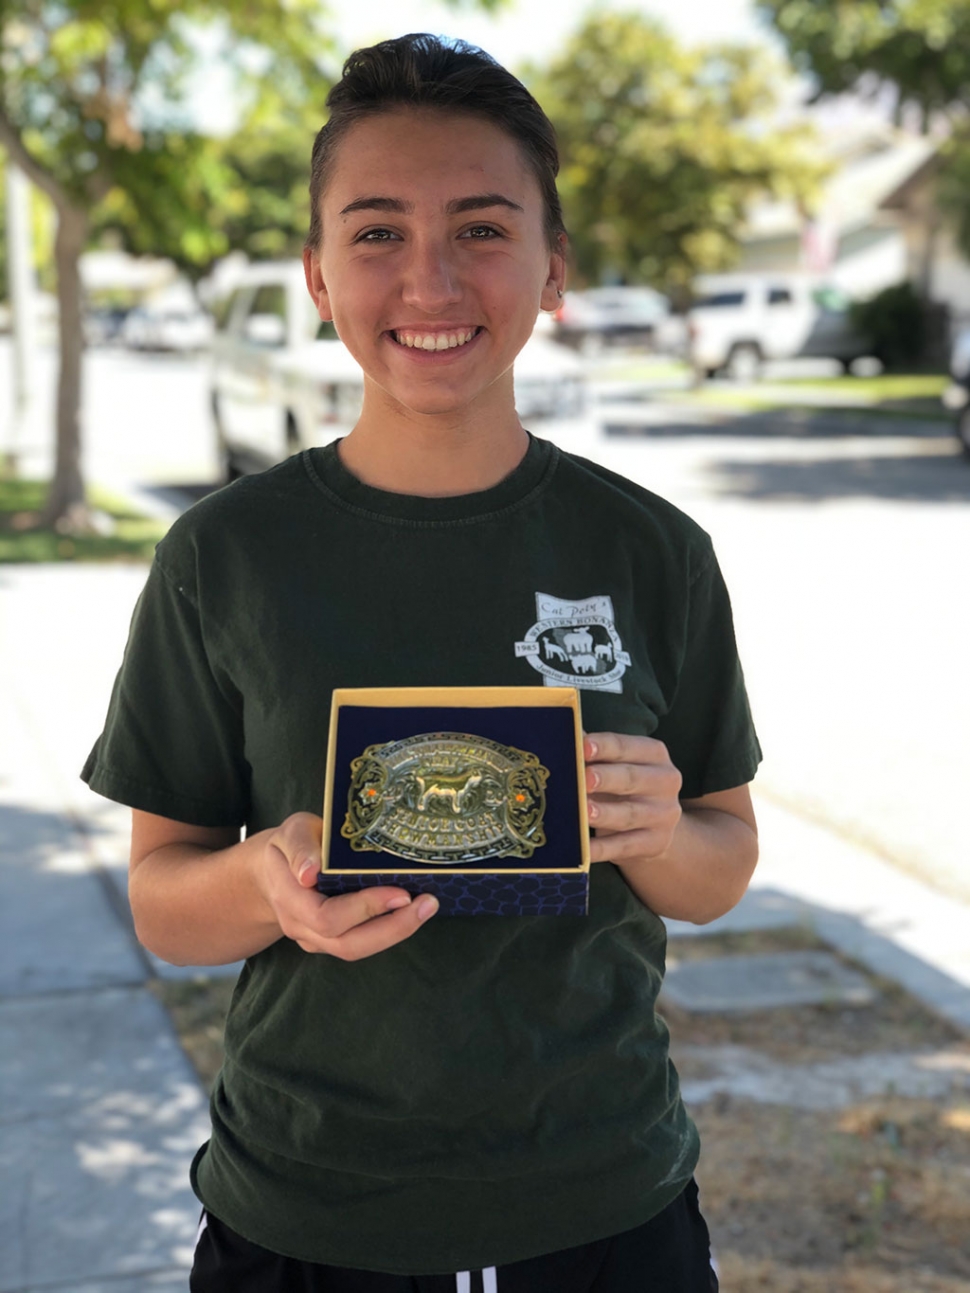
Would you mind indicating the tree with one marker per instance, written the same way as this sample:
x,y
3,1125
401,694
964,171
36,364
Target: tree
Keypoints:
x,y
664,147
92,108
921,47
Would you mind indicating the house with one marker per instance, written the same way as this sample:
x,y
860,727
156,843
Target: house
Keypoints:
x,y
874,223
934,262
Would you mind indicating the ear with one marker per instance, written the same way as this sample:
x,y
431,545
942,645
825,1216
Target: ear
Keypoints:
x,y
315,284
555,284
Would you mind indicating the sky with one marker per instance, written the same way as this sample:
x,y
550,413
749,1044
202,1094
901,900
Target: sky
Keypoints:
x,y
535,29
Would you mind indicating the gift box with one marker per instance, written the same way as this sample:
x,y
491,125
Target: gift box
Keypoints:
x,y
474,794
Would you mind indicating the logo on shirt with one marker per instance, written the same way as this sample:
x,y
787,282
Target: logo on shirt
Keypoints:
x,y
575,644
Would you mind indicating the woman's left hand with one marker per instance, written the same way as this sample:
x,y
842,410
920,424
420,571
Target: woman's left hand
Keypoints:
x,y
633,790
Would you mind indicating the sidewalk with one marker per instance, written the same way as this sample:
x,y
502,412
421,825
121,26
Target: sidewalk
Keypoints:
x,y
101,1112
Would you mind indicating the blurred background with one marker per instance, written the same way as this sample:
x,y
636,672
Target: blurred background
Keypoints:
x,y
767,322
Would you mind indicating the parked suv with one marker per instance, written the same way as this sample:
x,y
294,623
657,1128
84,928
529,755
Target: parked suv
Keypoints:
x,y
282,381
738,321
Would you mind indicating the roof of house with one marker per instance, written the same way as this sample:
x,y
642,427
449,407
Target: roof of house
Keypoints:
x,y
869,165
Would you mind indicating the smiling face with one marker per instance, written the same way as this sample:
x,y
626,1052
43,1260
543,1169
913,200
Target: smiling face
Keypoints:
x,y
434,261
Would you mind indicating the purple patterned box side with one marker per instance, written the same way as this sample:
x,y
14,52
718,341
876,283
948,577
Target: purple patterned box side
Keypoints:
x,y
495,894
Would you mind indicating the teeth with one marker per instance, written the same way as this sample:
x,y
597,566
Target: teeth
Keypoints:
x,y
435,340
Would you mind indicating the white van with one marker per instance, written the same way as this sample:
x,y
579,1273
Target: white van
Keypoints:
x,y
738,321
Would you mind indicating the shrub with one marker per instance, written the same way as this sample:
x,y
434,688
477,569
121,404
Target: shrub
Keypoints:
x,y
895,322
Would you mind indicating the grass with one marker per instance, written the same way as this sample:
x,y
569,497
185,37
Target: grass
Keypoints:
x,y
878,389
893,394
121,534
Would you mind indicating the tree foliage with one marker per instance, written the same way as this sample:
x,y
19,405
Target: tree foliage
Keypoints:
x,y
922,47
269,157
94,94
664,147
919,47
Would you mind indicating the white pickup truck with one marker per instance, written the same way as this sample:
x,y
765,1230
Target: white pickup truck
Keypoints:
x,y
279,381
738,321
282,381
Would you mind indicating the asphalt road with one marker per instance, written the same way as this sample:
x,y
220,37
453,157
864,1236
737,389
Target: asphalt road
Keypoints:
x,y
844,540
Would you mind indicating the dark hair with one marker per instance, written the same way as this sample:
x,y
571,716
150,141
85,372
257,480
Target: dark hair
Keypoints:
x,y
422,71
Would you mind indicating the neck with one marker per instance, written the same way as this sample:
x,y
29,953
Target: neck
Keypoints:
x,y
433,456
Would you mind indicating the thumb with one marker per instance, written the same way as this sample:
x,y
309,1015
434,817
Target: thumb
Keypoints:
x,y
299,839
308,868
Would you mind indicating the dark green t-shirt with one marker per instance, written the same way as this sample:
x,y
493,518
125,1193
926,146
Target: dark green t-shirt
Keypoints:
x,y
495,1087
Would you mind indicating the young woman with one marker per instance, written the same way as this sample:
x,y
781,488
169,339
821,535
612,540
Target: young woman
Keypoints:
x,y
408,1100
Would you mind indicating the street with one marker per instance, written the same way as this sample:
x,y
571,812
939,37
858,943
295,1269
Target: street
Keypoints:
x,y
843,539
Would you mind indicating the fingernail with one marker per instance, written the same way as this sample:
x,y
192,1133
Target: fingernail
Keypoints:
x,y
592,749
593,809
308,866
394,904
427,906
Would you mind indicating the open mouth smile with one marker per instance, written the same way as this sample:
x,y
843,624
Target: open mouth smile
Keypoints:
x,y
415,339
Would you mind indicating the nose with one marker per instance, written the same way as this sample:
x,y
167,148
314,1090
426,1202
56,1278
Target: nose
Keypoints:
x,y
431,280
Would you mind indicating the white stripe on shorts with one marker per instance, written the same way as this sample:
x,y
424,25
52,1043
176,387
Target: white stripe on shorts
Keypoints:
x,y
203,1222
463,1281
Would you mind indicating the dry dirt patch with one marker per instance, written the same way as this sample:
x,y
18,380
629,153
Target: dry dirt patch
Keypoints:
x,y
873,1197
198,1009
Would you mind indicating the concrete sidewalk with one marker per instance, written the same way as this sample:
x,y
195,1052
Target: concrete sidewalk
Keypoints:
x,y
100,1112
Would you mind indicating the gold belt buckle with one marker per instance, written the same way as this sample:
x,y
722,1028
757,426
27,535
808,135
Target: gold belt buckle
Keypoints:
x,y
446,798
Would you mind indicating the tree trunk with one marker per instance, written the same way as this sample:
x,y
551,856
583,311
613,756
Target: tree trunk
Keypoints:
x,y
66,505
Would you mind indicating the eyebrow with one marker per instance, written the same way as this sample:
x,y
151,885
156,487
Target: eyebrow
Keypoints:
x,y
457,206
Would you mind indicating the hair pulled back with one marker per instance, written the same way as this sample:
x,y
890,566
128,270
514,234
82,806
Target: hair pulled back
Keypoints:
x,y
423,71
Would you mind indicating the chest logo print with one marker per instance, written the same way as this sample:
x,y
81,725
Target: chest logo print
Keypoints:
x,y
575,644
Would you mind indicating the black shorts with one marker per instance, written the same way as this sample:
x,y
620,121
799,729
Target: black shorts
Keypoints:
x,y
670,1253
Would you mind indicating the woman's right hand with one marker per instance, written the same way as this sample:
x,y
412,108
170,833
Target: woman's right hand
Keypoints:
x,y
349,926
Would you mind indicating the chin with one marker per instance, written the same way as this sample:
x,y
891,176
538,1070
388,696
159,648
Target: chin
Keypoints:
x,y
438,402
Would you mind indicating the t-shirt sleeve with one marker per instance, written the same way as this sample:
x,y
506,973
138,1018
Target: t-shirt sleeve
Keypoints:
x,y
173,738
708,728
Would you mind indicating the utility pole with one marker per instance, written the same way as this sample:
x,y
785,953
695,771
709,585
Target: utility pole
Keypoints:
x,y
23,305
